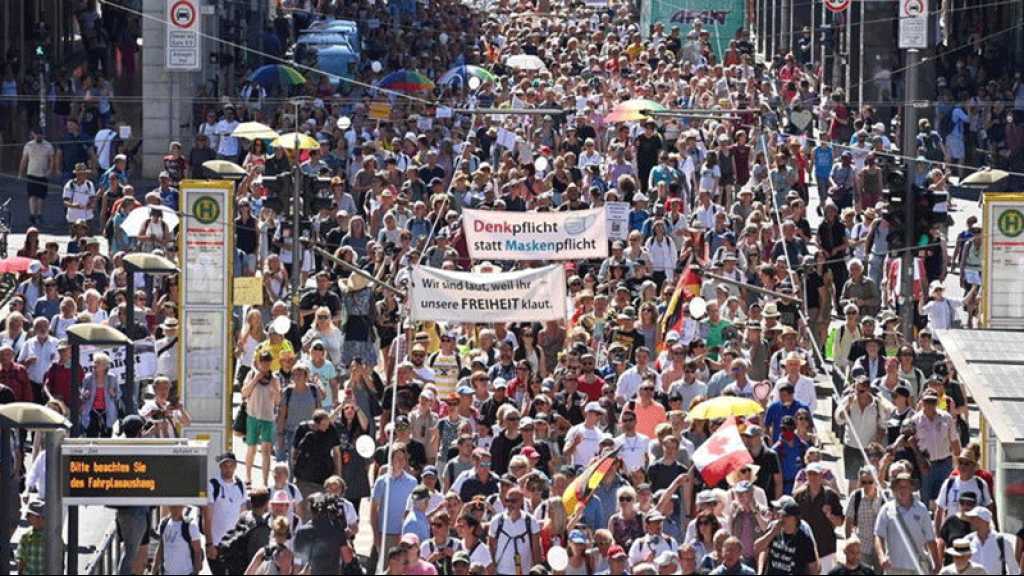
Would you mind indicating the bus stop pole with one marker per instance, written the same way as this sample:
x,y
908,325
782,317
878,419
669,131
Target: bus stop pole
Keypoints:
x,y
54,504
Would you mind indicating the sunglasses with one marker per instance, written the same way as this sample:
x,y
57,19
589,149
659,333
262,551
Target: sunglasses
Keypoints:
x,y
626,499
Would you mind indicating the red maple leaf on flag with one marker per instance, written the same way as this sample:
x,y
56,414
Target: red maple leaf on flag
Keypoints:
x,y
720,454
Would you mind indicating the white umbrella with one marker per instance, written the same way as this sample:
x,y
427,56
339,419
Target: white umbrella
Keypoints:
x,y
132,225
525,62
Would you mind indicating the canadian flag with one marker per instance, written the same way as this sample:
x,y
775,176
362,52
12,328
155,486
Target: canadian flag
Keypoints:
x,y
720,454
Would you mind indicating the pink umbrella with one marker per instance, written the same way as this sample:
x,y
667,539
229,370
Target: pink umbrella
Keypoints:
x,y
15,264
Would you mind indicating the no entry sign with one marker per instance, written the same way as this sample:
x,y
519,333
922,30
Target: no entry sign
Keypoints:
x,y
837,5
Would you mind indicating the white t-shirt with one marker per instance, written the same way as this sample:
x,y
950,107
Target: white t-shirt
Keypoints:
x,y
941,313
633,451
228,145
104,142
588,447
513,539
79,195
481,554
178,552
226,508
40,158
953,487
803,391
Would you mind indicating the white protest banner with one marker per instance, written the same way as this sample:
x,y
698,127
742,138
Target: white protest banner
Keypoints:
x,y
145,359
574,235
618,220
534,295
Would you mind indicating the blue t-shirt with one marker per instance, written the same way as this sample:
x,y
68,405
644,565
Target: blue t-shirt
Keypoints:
x,y
776,412
416,523
791,457
401,489
823,158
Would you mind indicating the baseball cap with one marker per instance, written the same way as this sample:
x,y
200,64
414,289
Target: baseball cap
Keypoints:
x,y
979,512
280,497
594,407
615,552
578,537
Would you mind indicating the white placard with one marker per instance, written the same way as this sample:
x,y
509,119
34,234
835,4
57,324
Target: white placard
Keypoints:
x,y
574,235
535,295
618,220
183,49
145,359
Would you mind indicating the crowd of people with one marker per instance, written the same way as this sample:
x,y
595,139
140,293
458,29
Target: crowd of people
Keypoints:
x,y
720,288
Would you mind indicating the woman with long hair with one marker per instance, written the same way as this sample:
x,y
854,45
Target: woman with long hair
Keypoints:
x,y
251,335
529,350
326,331
352,423
626,524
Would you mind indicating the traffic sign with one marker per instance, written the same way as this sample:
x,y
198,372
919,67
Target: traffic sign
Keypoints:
x,y
913,24
183,47
836,6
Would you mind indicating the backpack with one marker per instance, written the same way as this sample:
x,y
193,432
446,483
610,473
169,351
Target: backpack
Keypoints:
x,y
949,486
515,540
313,390
186,533
1001,544
269,564
217,487
234,547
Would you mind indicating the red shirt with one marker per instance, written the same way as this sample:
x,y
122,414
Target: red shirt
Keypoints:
x,y
16,378
591,389
58,382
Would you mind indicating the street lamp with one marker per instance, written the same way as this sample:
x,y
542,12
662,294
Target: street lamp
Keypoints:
x,y
88,334
30,416
148,264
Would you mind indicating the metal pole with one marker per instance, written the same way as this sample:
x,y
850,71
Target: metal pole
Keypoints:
x,y
757,289
296,222
129,359
860,57
775,31
355,269
814,35
6,466
789,27
910,150
54,505
848,15
824,49
76,430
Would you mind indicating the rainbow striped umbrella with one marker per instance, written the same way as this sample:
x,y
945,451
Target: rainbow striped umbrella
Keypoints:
x,y
633,110
272,74
464,73
406,81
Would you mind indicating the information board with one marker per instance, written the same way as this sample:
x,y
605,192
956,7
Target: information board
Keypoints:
x,y
1003,263
205,236
913,29
134,473
206,365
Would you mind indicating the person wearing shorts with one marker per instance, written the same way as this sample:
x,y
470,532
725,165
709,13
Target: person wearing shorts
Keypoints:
x,y
261,393
38,161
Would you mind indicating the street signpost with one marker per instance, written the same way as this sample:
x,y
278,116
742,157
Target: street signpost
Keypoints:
x,y
207,250
183,37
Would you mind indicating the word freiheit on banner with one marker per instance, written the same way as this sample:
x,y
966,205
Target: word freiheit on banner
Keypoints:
x,y
528,295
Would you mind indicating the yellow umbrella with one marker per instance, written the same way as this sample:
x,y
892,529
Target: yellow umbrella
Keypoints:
x,y
254,131
288,141
723,407
984,177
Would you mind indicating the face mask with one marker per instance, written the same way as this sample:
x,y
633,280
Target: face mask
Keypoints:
x,y
788,435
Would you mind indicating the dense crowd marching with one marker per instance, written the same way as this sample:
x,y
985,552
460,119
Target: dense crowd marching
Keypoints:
x,y
481,429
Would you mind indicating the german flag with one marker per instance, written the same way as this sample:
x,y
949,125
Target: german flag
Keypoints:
x,y
580,489
687,287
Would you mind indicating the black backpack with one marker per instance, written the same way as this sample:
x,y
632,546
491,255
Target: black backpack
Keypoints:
x,y
186,533
235,548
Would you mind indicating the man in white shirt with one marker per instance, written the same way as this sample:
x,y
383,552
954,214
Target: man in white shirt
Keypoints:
x,y
803,386
583,441
178,550
991,549
226,499
942,311
228,148
633,446
80,195
630,380
38,354
514,537
948,501
104,141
